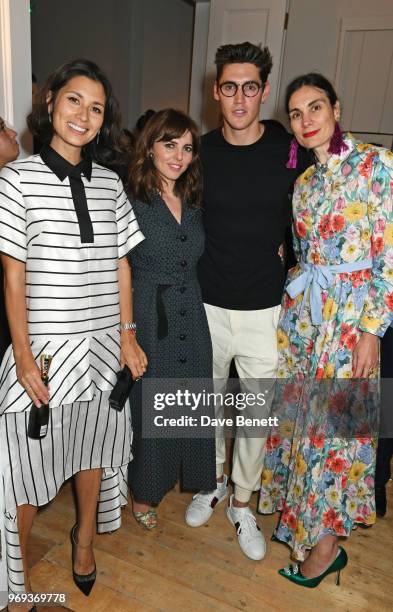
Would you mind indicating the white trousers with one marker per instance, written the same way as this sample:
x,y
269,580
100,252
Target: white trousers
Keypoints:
x,y
250,338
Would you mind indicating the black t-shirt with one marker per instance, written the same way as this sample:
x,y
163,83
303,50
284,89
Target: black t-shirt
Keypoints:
x,y
246,211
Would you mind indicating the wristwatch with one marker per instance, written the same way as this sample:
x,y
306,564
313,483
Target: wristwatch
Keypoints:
x,y
128,327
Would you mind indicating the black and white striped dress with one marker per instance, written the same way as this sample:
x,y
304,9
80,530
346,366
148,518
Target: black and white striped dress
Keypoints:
x,y
69,225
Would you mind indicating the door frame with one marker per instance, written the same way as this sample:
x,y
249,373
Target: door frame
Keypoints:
x,y
15,68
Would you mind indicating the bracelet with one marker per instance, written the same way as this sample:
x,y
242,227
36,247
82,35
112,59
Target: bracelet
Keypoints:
x,y
128,327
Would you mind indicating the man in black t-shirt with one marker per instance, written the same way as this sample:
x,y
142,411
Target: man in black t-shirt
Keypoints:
x,y
246,212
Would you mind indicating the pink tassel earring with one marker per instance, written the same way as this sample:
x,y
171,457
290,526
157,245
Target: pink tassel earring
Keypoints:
x,y
292,161
337,144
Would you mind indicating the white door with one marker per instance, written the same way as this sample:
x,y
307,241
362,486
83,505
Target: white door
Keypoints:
x,y
236,21
364,77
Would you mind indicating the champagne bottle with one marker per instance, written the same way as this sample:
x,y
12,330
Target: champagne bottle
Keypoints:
x,y
39,417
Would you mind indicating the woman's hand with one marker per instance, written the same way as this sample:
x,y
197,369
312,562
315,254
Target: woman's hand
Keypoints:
x,y
281,253
132,355
29,376
365,355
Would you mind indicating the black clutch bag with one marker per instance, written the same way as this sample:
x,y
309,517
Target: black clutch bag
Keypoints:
x,y
122,389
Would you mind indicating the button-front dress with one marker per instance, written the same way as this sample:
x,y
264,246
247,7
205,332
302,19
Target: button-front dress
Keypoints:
x,y
69,225
173,332
343,214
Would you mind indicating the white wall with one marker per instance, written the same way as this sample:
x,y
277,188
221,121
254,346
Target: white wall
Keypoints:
x,y
167,50
61,31
199,55
144,46
15,68
313,35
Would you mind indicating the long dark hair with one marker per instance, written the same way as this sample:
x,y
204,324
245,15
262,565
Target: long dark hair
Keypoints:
x,y
109,151
145,179
313,79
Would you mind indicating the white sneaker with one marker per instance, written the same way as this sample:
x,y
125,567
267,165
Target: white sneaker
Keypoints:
x,y
201,508
251,540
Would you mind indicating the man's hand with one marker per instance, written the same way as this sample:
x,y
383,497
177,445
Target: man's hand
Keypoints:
x,y
281,253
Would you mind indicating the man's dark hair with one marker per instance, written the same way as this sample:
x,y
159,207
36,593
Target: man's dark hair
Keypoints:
x,y
143,119
244,53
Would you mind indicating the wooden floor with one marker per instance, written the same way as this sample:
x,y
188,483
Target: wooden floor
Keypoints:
x,y
177,568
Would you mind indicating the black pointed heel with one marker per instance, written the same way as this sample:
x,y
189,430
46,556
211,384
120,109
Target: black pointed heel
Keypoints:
x,y
84,582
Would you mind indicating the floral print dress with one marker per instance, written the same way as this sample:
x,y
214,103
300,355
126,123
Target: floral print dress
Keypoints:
x,y
342,214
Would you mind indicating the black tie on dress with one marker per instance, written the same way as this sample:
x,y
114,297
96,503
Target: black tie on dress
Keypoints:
x,y
62,168
80,203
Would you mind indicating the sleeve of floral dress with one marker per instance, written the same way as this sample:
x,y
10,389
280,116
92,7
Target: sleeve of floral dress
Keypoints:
x,y
378,316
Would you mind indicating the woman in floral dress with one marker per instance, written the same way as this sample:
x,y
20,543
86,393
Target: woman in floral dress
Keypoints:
x,y
337,304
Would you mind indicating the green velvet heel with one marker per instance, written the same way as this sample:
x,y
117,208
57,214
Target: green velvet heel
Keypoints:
x,y
292,572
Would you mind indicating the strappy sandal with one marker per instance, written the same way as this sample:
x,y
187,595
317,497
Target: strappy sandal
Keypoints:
x,y
148,520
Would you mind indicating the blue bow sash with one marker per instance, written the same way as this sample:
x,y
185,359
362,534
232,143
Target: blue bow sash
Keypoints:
x,y
316,278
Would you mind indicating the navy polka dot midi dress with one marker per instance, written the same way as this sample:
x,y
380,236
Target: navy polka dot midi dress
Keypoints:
x,y
164,270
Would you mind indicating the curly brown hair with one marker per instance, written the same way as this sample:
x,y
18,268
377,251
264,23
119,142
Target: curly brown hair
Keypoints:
x,y
144,178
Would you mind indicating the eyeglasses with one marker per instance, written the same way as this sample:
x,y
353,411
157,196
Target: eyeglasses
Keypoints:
x,y
250,89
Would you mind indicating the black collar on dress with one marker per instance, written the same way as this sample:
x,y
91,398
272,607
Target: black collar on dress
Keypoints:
x,y
61,167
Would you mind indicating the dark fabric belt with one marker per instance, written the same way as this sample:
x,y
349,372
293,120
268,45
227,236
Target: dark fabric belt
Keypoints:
x,y
162,282
162,325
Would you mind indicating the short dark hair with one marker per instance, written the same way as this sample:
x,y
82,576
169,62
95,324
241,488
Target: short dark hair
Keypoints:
x,y
109,150
313,79
244,53
143,119
145,179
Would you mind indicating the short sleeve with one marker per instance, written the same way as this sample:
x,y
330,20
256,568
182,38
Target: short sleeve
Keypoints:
x,y
13,237
129,234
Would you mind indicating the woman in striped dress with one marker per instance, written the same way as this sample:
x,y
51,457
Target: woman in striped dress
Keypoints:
x,y
66,227
9,151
